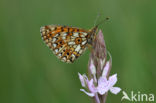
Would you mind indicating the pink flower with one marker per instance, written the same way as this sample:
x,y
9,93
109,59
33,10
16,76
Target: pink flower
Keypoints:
x,y
98,82
91,88
87,84
82,79
103,86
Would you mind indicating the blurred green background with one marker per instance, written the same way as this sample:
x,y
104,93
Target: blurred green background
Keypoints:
x,y
30,73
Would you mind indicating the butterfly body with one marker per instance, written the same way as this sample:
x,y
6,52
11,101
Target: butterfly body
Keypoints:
x,y
67,43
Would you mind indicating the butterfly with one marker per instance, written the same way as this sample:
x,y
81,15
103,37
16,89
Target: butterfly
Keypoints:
x,y
66,42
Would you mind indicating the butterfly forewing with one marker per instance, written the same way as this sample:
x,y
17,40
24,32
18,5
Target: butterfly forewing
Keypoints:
x,y
67,43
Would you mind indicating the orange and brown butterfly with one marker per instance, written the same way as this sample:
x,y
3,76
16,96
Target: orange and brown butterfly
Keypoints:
x,y
67,43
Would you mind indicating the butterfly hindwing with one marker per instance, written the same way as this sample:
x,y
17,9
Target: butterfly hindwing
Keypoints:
x,y
67,43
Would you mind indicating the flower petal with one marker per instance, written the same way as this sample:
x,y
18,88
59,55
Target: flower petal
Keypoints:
x,y
103,85
112,80
106,69
91,86
89,94
115,90
92,67
82,80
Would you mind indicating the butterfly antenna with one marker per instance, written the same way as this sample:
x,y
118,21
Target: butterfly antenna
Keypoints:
x,y
97,17
107,18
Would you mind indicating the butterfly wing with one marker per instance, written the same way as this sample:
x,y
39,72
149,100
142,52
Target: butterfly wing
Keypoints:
x,y
67,43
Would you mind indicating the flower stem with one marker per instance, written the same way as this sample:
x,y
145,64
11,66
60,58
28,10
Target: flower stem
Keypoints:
x,y
104,98
97,100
